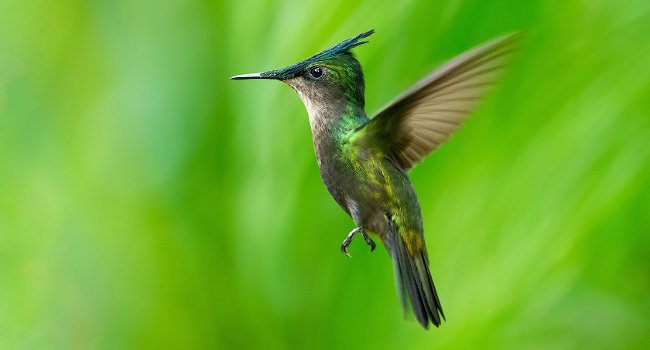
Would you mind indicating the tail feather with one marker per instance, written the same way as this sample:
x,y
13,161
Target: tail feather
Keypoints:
x,y
414,280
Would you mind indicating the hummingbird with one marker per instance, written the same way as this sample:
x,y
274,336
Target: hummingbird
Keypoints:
x,y
364,162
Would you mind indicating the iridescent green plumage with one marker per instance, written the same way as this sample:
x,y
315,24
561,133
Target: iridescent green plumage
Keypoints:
x,y
364,162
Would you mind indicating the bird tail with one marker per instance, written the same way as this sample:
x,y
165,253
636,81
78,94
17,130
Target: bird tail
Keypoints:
x,y
414,282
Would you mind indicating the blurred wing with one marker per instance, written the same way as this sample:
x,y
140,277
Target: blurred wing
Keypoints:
x,y
426,115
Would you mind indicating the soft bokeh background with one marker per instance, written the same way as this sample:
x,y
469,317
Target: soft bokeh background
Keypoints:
x,y
146,201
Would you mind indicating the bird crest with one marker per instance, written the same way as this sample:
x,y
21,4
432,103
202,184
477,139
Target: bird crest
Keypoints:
x,y
342,48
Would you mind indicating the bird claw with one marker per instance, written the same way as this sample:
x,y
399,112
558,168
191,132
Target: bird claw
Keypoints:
x,y
348,240
368,240
346,243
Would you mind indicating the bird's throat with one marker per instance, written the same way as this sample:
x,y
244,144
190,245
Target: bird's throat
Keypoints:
x,y
331,125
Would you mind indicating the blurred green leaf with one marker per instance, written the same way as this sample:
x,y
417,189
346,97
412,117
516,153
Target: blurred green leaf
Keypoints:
x,y
146,201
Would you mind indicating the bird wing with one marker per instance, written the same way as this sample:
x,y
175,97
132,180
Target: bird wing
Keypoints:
x,y
422,118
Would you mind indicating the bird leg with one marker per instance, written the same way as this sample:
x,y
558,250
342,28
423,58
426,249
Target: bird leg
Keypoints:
x,y
348,240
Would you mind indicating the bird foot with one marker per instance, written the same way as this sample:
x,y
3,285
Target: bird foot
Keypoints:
x,y
348,240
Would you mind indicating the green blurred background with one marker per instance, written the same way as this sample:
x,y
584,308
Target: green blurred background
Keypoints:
x,y
146,201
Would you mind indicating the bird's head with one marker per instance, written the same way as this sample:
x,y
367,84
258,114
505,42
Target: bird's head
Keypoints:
x,y
329,76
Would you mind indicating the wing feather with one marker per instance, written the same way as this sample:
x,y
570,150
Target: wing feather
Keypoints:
x,y
426,115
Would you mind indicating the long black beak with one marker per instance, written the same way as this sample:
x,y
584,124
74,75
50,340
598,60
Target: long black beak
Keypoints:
x,y
264,75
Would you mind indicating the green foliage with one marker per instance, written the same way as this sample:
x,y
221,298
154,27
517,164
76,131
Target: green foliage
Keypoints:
x,y
146,201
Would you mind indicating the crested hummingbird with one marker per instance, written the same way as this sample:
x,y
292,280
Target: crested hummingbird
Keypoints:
x,y
364,162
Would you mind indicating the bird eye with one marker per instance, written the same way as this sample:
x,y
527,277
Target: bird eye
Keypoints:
x,y
316,72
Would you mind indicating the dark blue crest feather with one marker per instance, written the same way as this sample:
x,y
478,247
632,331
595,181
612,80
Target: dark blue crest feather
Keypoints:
x,y
341,48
